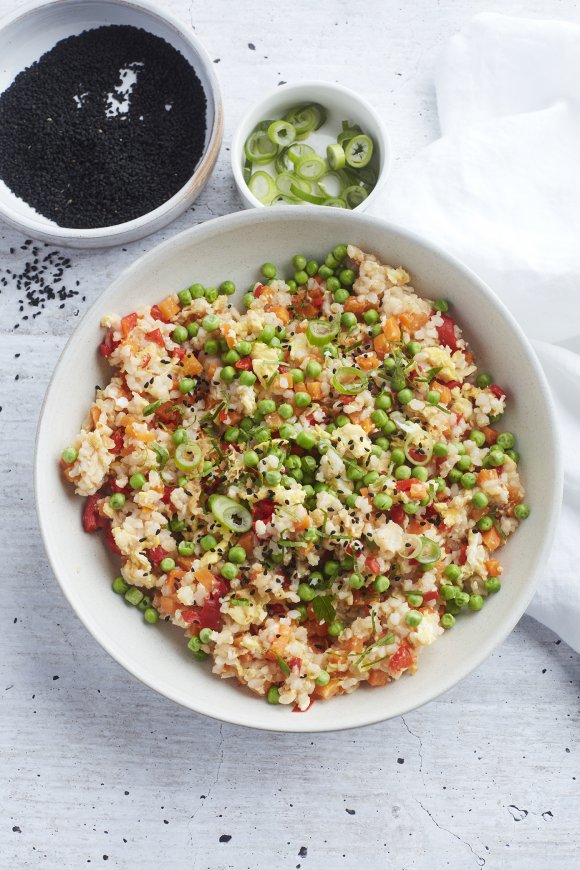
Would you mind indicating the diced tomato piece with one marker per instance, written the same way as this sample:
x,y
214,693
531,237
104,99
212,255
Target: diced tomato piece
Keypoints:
x,y
145,362
166,497
430,596
405,485
110,541
446,332
244,364
373,565
263,510
107,346
223,416
295,664
452,384
258,290
169,413
496,390
157,555
306,709
92,519
317,297
462,555
156,314
128,323
402,659
179,352
118,441
398,514
155,336
208,615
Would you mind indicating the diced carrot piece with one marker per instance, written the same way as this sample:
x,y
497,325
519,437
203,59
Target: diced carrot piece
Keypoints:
x,y
174,577
492,539
378,677
366,363
444,391
285,381
229,335
190,365
315,389
486,474
205,577
391,329
476,514
381,345
301,525
412,321
166,604
416,527
211,369
328,691
493,567
367,425
185,562
128,323
169,308
418,491
491,435
357,304
280,643
248,542
281,313
353,644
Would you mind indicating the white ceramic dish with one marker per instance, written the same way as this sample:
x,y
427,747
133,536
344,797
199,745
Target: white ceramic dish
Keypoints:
x,y
340,103
233,247
35,29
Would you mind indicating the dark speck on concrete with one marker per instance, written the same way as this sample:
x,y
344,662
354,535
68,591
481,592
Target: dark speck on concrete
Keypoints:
x,y
251,46
217,60
302,852
350,812
16,829
281,83
105,857
56,677
225,838
400,760
548,816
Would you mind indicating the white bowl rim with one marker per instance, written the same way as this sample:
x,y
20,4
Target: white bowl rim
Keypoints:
x,y
38,228
385,144
551,507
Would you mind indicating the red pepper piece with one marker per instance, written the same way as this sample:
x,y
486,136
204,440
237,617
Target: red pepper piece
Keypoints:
x,y
446,332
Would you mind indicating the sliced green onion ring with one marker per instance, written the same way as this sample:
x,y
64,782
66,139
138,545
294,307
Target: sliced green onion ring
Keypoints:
x,y
348,132
320,332
331,183
263,187
281,132
411,547
285,180
259,148
311,166
430,551
354,195
282,199
312,198
418,446
282,163
349,381
336,202
247,171
230,514
335,156
298,150
306,118
359,151
187,456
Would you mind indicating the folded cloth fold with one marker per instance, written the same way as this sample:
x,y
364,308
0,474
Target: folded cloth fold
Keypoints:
x,y
501,191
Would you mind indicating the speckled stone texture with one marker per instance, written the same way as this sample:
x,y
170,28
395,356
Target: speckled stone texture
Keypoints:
x,y
95,769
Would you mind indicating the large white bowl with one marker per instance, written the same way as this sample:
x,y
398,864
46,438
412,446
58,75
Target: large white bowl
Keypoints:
x,y
33,30
233,247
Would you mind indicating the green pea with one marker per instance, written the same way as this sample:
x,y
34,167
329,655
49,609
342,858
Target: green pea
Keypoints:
x,y
272,478
421,473
208,542
462,599
288,432
397,456
313,369
231,357
413,618
267,334
309,464
468,480
370,478
382,443
433,397
333,284
447,620
306,440
483,380
477,437
441,305
463,463
167,564
248,299
414,599
299,262
339,252
454,475
335,628
211,294
342,420
69,455
192,328
495,457
479,500
180,334
322,679
243,347
297,375
117,501
186,548
452,572
302,400
331,568
350,500
184,297
229,571
273,696
347,277
484,524
210,322
227,374
521,511
475,602
311,268
389,427
331,261
119,586
413,348
371,316
211,347
506,440
356,581
440,449
292,287
305,592
325,272
381,584
340,296
301,278
231,434
266,406
492,584
379,418
403,472
382,403
447,592
382,501
251,458
302,612
513,455
247,379
137,481
237,555
348,319
452,607
404,396
269,270
197,291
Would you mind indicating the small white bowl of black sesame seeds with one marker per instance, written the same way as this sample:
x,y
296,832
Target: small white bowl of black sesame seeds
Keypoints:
x,y
110,121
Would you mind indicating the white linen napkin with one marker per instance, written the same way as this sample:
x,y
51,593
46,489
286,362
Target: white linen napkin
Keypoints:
x,y
501,191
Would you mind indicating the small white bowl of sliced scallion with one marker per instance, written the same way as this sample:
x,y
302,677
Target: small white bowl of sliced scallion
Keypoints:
x,y
313,143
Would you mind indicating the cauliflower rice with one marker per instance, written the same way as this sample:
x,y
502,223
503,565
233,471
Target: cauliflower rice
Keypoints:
x,y
312,490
